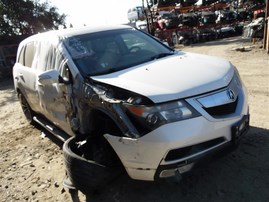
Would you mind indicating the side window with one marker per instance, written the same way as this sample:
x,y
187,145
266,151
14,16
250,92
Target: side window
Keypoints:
x,y
49,56
29,54
54,59
45,56
21,56
59,60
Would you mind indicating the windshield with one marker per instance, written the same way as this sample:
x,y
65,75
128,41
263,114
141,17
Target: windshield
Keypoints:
x,y
110,51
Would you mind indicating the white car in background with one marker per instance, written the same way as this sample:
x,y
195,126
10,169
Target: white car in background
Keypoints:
x,y
138,103
135,13
141,25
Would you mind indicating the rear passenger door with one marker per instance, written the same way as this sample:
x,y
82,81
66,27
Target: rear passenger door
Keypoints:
x,y
25,75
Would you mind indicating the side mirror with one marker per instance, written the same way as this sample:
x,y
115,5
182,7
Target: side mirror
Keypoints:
x,y
49,77
66,75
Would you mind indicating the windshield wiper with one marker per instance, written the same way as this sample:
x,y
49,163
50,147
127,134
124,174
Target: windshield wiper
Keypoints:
x,y
161,55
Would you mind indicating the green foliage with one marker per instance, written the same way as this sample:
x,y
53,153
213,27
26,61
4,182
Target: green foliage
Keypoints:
x,y
26,17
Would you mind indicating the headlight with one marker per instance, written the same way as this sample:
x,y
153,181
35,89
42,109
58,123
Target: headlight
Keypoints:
x,y
157,115
236,79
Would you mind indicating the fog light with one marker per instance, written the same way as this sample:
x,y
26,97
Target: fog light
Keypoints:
x,y
175,171
185,168
168,173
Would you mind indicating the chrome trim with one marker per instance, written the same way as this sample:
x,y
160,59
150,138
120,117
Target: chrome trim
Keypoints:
x,y
218,99
227,96
231,95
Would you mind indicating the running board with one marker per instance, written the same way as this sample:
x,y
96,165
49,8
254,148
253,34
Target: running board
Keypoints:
x,y
52,129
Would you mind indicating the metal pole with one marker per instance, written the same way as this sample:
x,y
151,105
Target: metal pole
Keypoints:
x,y
146,15
266,34
151,19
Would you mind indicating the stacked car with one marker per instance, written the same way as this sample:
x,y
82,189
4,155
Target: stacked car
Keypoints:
x,y
177,21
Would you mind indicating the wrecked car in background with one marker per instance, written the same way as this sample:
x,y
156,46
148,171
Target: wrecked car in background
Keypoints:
x,y
208,18
129,101
255,29
167,21
164,3
189,19
135,14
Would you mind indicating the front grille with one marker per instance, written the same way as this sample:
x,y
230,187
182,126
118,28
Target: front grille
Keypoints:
x,y
222,109
176,154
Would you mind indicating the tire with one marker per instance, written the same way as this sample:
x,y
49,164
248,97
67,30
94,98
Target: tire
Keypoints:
x,y
27,111
86,175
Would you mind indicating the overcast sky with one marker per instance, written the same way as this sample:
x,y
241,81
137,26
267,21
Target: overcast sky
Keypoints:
x,y
95,12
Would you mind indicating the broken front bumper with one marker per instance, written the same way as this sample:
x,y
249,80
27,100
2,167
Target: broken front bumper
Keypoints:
x,y
175,147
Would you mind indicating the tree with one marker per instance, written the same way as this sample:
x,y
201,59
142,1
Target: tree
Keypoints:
x,y
27,17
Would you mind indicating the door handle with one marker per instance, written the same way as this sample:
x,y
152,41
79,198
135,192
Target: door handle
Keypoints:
x,y
20,75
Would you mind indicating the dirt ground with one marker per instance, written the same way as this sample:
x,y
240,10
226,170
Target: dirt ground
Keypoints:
x,y
32,167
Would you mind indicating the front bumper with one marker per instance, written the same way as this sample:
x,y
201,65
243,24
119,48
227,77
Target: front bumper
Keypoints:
x,y
210,148
148,157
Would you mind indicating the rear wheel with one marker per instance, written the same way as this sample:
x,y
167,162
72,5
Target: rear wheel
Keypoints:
x,y
28,112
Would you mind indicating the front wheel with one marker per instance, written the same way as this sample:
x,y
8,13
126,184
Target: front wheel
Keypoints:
x,y
86,174
28,112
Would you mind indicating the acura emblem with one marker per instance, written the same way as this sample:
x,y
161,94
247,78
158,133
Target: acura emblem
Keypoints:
x,y
231,94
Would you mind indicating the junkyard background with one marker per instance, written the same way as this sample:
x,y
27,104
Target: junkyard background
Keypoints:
x,y
32,166
174,21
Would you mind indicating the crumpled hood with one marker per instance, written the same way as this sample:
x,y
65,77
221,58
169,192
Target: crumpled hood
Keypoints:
x,y
178,76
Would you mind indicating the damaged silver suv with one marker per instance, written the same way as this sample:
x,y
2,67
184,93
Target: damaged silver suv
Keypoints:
x,y
157,109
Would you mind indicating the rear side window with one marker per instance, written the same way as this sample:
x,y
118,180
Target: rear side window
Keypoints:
x,y
29,54
21,56
42,55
